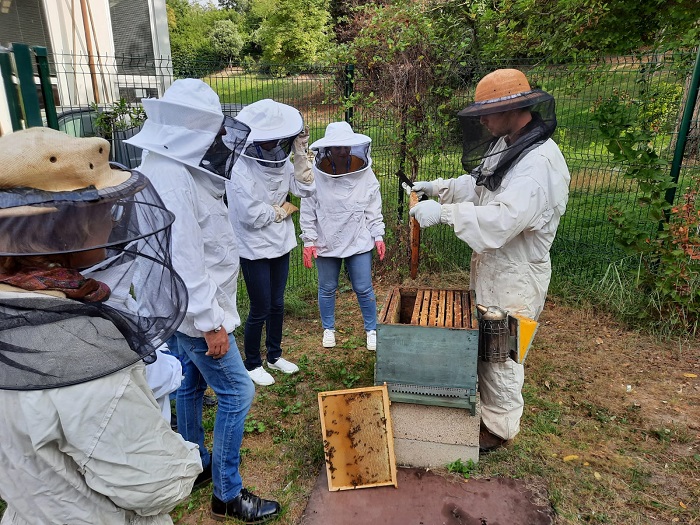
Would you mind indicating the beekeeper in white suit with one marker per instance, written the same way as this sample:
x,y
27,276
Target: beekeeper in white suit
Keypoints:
x,y
261,216
343,223
192,147
507,209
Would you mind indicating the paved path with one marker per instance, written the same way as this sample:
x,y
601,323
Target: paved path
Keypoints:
x,y
424,498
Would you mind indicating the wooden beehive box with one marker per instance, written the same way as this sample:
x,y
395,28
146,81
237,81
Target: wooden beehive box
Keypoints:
x,y
358,439
427,347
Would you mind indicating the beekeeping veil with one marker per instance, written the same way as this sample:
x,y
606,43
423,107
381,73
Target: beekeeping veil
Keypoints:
x,y
61,200
340,135
273,128
488,158
187,125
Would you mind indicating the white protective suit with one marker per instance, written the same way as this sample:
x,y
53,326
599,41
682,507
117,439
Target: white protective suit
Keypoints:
x,y
164,376
206,252
252,193
510,231
100,450
344,217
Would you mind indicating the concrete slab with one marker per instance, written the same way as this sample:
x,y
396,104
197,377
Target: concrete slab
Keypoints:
x,y
412,453
425,498
433,436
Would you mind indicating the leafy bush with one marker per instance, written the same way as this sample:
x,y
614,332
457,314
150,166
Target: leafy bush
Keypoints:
x,y
292,31
119,116
665,239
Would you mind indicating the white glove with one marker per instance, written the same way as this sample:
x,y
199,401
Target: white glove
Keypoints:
x,y
280,213
427,213
424,187
302,163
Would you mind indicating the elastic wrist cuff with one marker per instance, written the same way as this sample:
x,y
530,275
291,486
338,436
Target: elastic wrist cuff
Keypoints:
x,y
446,214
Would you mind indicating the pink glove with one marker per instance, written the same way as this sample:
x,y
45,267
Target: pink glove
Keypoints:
x,y
381,249
309,255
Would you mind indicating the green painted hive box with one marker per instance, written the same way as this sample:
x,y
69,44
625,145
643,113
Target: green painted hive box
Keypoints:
x,y
427,347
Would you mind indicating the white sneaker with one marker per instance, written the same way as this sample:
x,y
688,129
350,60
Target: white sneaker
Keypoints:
x,y
371,339
283,366
328,338
261,377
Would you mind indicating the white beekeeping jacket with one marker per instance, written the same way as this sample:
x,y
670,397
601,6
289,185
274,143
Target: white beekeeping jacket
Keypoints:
x,y
512,229
252,192
344,217
205,250
101,446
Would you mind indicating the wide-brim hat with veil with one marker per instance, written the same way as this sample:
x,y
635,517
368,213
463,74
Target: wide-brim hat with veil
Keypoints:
x,y
500,91
60,195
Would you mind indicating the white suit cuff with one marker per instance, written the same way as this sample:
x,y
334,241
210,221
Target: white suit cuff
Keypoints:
x,y
447,214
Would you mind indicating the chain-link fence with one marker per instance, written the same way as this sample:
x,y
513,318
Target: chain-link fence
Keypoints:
x,y
656,86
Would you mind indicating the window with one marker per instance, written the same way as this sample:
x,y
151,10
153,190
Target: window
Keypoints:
x,y
24,22
133,40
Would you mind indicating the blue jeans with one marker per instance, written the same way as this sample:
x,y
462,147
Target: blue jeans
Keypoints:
x,y
234,391
360,271
265,280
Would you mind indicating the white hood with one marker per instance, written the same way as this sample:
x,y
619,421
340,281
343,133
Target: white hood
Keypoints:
x,y
184,123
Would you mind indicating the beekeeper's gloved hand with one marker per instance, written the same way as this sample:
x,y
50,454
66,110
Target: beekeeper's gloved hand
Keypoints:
x,y
309,255
427,213
425,187
302,162
289,208
381,248
284,211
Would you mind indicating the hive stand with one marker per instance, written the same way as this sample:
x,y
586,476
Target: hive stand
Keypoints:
x,y
427,351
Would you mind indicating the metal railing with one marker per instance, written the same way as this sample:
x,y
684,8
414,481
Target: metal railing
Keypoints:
x,y
659,86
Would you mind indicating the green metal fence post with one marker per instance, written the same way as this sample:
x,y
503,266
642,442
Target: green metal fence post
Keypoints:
x,y
42,63
10,89
683,131
349,88
27,85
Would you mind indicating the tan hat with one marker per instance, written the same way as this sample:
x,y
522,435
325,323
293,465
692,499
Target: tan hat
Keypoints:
x,y
49,160
503,90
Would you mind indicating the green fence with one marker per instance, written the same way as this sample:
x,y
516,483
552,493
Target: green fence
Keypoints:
x,y
655,86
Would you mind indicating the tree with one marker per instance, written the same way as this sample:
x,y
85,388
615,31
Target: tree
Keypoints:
x,y
240,6
225,39
292,31
568,28
410,55
190,26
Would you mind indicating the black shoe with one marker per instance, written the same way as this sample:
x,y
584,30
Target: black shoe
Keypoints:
x,y
489,442
204,478
209,401
246,507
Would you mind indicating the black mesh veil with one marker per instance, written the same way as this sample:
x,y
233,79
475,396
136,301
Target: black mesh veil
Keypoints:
x,y
478,144
356,159
48,341
224,151
270,153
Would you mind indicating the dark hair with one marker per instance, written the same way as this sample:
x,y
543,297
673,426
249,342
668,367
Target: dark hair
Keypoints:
x,y
12,265
65,229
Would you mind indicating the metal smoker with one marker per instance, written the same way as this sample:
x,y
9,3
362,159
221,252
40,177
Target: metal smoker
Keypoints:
x,y
493,334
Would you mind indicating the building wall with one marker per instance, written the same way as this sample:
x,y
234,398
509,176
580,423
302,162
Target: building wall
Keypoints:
x,y
101,72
